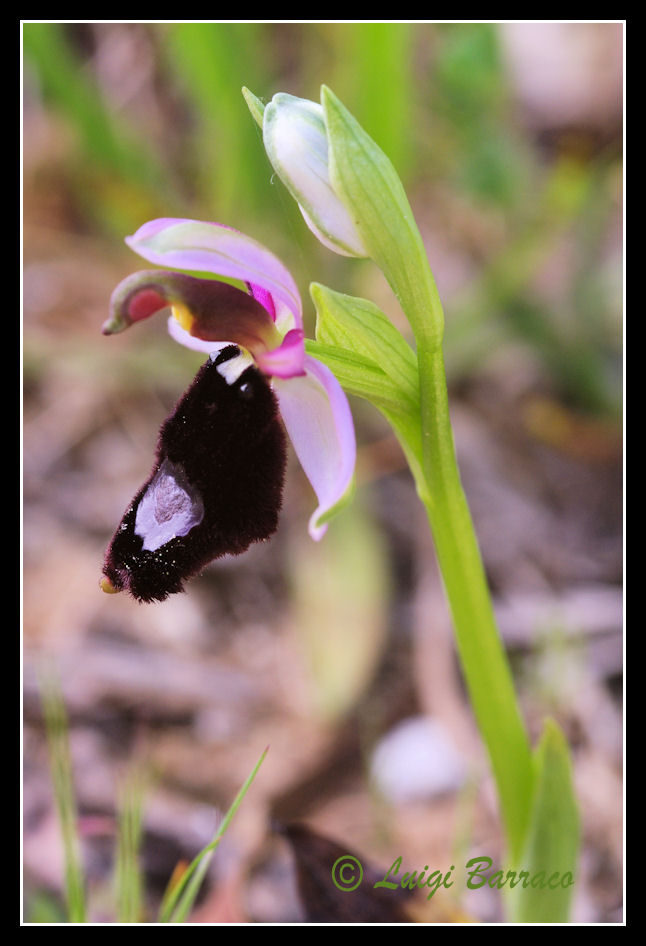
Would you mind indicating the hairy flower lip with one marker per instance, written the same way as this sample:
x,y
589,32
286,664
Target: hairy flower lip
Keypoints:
x,y
215,486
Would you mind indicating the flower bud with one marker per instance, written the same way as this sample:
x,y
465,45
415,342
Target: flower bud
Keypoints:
x,y
296,142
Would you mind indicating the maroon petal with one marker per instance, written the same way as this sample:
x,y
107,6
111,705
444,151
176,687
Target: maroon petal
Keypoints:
x,y
209,310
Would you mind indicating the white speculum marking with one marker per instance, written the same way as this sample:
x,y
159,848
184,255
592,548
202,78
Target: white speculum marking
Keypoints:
x,y
233,368
169,507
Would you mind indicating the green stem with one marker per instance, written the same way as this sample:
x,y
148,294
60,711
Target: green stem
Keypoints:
x,y
482,654
365,181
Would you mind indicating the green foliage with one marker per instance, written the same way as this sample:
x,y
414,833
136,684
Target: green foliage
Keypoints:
x,y
359,326
436,98
180,895
221,155
128,878
536,799
552,841
129,882
470,97
374,75
118,177
43,908
105,140
372,360
64,797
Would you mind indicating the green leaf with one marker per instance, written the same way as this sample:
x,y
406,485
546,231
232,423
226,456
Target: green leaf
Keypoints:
x,y
369,186
360,376
371,360
256,107
552,842
357,325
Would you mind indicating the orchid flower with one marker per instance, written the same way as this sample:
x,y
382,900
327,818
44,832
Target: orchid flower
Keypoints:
x,y
255,341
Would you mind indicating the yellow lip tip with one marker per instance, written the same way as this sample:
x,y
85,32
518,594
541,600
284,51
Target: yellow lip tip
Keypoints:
x,y
106,585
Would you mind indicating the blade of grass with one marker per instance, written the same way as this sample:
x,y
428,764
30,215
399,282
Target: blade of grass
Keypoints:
x,y
105,136
113,169
128,877
180,897
61,773
373,70
211,61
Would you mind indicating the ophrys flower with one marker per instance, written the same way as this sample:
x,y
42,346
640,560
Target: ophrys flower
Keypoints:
x,y
216,484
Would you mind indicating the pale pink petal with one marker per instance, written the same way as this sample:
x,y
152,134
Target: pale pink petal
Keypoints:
x,y
178,243
286,361
319,422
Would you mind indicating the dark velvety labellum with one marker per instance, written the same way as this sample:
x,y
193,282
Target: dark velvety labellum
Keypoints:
x,y
216,486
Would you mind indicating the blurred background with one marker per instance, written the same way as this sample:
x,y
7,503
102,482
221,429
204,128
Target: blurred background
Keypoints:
x,y
339,655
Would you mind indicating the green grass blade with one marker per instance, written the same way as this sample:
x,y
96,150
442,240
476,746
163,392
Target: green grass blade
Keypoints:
x,y
373,73
212,61
128,876
104,137
61,774
179,899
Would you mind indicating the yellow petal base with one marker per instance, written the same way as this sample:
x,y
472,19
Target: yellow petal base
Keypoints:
x,y
183,315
